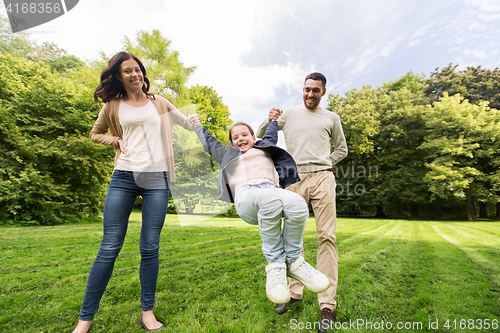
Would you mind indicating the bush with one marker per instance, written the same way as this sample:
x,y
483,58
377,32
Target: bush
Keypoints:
x,y
50,172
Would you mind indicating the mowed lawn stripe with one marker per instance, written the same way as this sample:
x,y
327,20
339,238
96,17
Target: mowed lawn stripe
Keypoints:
x,y
461,287
473,234
367,240
212,276
483,253
363,266
408,281
355,235
490,228
392,285
353,225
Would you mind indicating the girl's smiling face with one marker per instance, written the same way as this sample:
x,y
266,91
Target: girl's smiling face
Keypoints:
x,y
242,139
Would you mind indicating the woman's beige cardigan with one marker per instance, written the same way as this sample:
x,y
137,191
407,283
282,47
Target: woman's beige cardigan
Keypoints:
x,y
169,115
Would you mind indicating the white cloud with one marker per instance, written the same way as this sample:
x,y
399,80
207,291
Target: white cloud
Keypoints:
x,y
477,26
250,92
420,34
256,53
369,52
489,10
480,54
294,15
485,5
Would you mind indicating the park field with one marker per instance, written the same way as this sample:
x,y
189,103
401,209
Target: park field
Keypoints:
x,y
394,276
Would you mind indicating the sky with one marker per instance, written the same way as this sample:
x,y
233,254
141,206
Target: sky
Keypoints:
x,y
256,54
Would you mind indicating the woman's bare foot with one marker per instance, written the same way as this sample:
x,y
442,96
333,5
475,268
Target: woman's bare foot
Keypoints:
x,y
82,327
148,320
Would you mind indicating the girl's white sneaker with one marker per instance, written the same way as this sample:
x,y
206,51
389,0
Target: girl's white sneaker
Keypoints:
x,y
311,278
277,283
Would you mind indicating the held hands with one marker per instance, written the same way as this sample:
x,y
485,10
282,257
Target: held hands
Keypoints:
x,y
274,114
194,119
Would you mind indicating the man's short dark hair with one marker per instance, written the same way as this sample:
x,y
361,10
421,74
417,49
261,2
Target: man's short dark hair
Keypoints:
x,y
317,76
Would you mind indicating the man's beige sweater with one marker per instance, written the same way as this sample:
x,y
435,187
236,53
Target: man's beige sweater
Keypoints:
x,y
309,136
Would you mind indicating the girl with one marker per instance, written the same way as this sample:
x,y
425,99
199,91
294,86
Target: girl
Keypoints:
x,y
251,175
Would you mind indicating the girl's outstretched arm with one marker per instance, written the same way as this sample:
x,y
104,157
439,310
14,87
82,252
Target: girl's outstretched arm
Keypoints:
x,y
271,135
211,145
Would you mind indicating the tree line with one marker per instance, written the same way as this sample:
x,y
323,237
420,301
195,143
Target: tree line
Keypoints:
x,y
418,147
50,171
423,147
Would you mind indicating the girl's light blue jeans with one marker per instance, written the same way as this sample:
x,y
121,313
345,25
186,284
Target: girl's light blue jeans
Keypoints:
x,y
124,187
260,202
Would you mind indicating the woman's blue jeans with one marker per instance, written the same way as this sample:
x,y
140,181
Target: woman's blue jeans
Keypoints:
x,y
124,187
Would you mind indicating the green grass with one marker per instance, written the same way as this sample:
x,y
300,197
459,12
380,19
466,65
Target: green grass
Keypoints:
x,y
212,277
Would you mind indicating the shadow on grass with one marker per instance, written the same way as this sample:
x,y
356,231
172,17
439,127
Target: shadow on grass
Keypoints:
x,y
212,277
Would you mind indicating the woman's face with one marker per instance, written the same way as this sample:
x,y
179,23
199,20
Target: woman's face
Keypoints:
x,y
131,75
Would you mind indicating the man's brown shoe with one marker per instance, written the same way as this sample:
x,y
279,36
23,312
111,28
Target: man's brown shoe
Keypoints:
x,y
283,307
328,319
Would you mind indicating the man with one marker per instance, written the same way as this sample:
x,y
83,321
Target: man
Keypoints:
x,y
310,131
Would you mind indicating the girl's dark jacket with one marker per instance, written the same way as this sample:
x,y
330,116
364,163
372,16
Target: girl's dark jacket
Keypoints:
x,y
283,161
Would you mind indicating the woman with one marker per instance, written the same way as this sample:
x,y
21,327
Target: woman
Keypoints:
x,y
141,127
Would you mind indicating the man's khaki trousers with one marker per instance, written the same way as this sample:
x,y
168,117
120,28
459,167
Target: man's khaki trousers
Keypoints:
x,y
318,189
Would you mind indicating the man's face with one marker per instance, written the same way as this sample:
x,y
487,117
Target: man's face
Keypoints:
x,y
313,91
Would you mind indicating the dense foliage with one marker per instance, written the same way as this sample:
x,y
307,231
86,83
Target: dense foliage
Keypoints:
x,y
417,147
50,171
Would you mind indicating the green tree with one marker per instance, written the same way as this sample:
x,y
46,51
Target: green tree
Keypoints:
x,y
383,129
476,84
167,74
411,81
51,172
16,44
400,166
197,173
215,116
359,115
461,142
20,46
